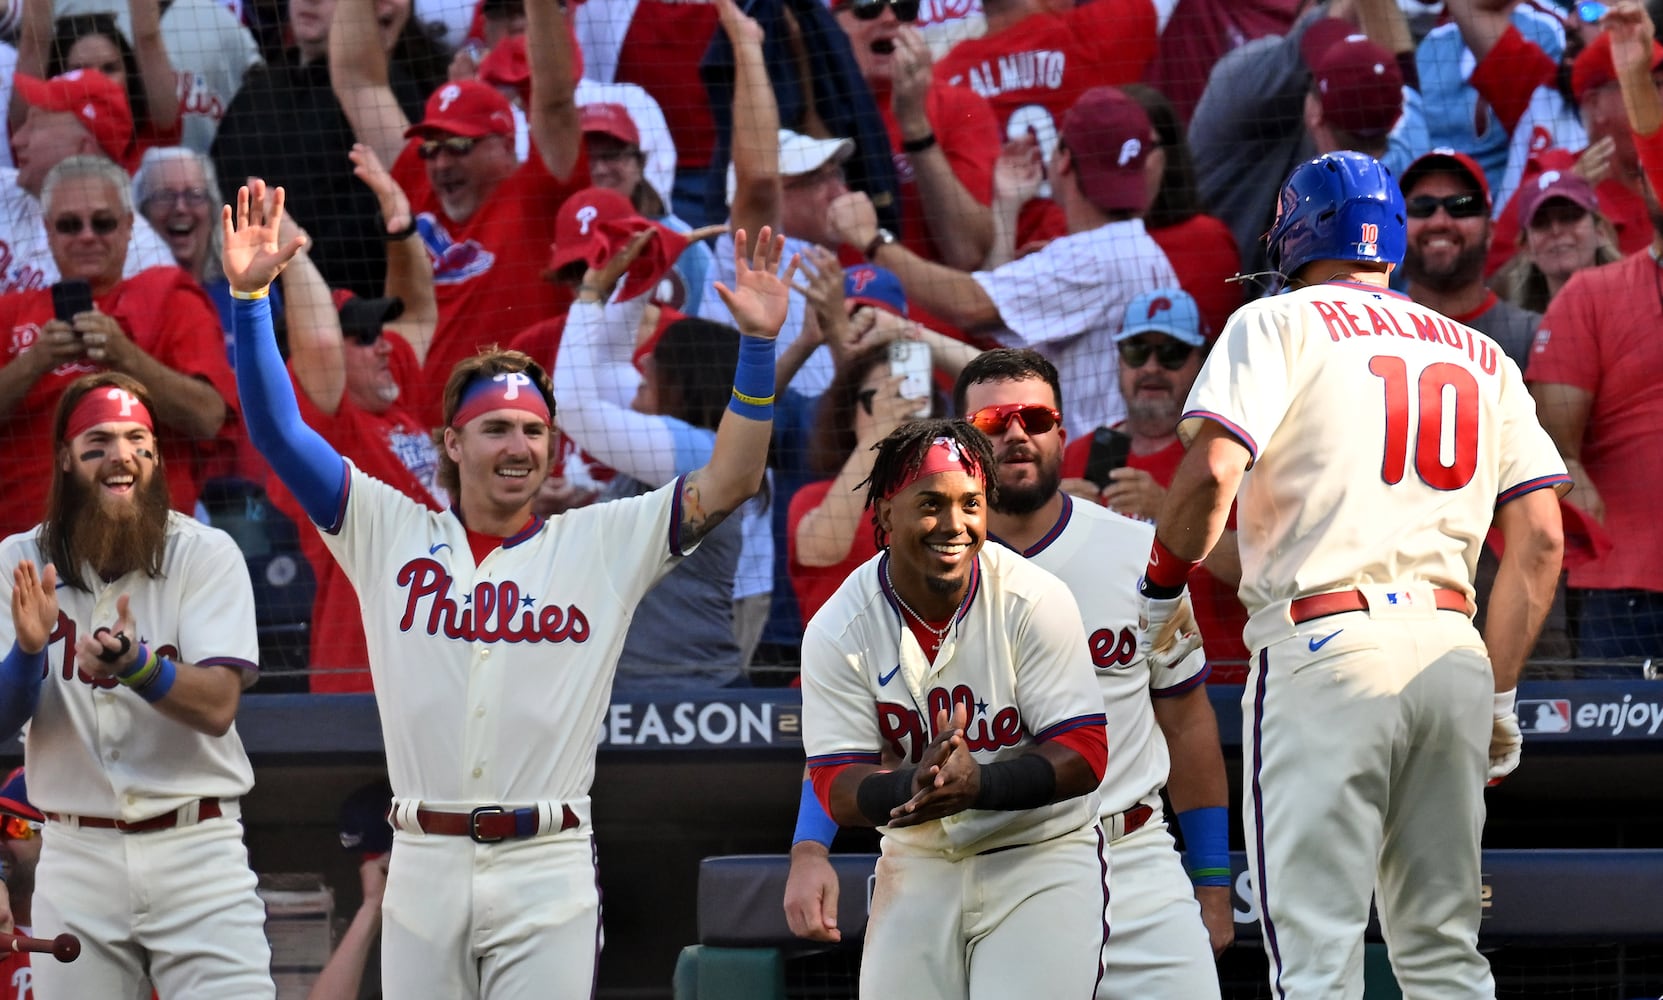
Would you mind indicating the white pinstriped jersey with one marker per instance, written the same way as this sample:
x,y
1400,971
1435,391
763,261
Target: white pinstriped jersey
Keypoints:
x,y
492,680
1016,658
1383,435
1100,555
95,748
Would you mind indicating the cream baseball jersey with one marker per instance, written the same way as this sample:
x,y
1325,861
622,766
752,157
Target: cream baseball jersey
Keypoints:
x,y
476,666
95,748
1438,431
1100,555
1016,659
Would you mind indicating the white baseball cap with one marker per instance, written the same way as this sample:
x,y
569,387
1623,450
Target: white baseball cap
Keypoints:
x,y
801,154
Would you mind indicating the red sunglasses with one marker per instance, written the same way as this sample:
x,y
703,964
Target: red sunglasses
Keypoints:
x,y
1036,419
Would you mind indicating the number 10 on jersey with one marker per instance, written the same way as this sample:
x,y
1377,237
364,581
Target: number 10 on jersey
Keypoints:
x,y
1444,400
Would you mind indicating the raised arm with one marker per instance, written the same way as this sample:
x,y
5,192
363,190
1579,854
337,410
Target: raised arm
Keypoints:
x,y
758,302
758,192
34,40
316,352
313,471
161,83
552,115
960,227
409,268
358,75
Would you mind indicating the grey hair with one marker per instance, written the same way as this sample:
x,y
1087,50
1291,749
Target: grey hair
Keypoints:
x,y
145,183
84,166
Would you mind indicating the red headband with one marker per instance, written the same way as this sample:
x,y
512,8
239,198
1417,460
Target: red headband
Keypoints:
x,y
502,391
944,455
111,405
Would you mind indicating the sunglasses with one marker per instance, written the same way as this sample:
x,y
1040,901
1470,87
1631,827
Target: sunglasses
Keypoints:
x,y
1459,206
456,145
17,828
102,224
1035,419
906,11
1171,355
168,197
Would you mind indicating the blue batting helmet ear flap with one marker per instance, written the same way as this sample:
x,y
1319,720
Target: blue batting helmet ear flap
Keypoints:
x,y
1339,206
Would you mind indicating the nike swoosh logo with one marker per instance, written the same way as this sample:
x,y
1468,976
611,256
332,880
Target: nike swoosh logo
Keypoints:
x,y
1317,644
435,549
886,678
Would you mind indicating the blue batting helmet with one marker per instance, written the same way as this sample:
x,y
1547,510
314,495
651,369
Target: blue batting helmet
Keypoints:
x,y
1339,206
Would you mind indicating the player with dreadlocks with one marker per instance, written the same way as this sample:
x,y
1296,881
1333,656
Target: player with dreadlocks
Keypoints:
x,y
969,665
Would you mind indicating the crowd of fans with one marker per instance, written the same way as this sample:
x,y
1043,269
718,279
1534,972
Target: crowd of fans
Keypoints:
x,y
1092,181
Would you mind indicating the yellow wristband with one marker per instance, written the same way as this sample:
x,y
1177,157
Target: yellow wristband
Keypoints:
x,y
767,400
262,293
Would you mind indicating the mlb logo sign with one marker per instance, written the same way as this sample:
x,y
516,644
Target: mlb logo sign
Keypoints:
x,y
1546,715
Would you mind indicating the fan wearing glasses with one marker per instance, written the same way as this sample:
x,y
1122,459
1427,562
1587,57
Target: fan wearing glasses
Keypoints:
x,y
947,134
1447,201
157,326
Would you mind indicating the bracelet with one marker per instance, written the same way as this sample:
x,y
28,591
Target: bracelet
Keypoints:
x,y
249,296
144,668
403,234
160,683
767,400
918,145
812,821
1206,844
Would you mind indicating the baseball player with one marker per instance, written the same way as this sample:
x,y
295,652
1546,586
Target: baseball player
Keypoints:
x,y
131,638
968,665
1374,442
493,634
1160,946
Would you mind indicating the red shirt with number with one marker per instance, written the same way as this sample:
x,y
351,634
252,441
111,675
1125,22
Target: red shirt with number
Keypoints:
x,y
488,270
164,313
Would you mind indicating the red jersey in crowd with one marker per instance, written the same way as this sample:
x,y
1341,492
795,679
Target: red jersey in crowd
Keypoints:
x,y
166,315
1217,609
661,54
487,271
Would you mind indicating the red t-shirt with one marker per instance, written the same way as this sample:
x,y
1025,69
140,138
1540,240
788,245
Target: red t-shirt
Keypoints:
x,y
1217,609
1204,255
1600,334
168,316
661,53
1034,71
488,271
814,585
392,447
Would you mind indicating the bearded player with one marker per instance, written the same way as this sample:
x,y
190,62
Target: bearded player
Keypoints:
x,y
1373,443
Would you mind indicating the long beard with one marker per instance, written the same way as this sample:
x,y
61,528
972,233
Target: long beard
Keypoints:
x,y
114,537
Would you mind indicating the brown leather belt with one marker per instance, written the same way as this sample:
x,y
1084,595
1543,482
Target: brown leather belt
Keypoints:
x,y
490,824
1320,605
206,809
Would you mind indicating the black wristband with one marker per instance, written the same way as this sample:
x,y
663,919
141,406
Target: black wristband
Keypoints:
x,y
918,145
1156,592
403,234
880,793
1027,782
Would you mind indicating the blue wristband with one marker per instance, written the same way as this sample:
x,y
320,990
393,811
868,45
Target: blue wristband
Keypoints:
x,y
812,821
1206,844
753,379
161,684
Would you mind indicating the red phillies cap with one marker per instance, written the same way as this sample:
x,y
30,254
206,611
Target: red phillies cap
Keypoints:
x,y
507,66
1551,184
1109,137
98,101
609,119
595,223
1357,81
1444,160
1594,69
467,108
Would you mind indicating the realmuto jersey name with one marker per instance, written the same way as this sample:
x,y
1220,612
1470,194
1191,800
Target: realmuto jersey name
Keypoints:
x,y
1383,437
468,658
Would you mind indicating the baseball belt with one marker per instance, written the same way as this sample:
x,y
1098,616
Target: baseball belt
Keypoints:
x,y
1305,609
1124,824
487,824
186,815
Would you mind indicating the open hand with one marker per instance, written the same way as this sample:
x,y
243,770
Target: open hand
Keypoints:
x,y
253,257
1019,172
34,606
1631,36
761,297
395,206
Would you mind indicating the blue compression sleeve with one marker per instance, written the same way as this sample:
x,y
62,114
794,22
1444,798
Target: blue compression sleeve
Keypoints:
x,y
1206,844
812,821
312,470
20,679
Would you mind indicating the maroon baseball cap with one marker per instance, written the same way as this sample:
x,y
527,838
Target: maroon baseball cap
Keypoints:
x,y
1444,160
609,119
1109,137
596,223
98,101
1357,81
1593,67
1551,184
467,108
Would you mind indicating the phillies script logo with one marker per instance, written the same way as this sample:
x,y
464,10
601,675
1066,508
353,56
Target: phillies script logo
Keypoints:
x,y
1109,649
493,612
988,729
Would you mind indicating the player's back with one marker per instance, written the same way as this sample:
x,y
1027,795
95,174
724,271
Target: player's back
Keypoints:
x,y
1383,435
